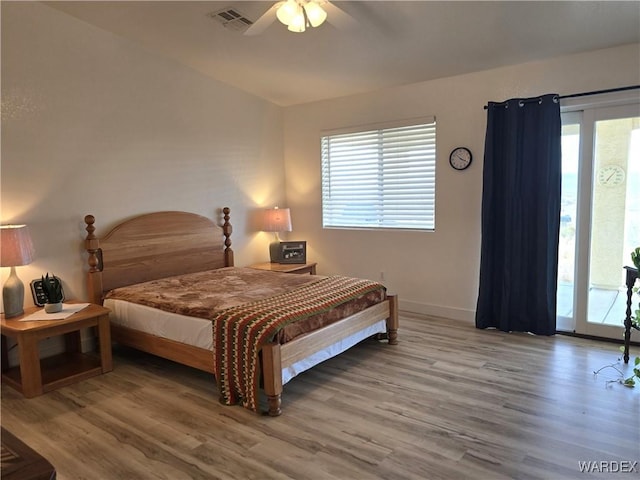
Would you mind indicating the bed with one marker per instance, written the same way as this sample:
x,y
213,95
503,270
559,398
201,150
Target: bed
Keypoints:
x,y
168,246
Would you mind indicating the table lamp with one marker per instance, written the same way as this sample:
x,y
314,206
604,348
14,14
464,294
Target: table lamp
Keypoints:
x,y
16,248
276,220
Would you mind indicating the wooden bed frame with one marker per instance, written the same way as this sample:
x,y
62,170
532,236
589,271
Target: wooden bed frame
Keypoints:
x,y
163,244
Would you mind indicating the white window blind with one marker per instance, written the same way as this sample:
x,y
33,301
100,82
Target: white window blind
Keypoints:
x,y
383,178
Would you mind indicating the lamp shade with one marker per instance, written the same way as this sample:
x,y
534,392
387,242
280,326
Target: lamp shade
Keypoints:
x,y
276,220
315,14
16,247
287,11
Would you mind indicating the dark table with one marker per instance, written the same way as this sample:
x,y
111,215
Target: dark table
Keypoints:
x,y
632,275
20,462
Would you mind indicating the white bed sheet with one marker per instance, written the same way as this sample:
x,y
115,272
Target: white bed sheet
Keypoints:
x,y
198,332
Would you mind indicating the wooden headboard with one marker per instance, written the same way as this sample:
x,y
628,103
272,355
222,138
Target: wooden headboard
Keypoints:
x,y
152,246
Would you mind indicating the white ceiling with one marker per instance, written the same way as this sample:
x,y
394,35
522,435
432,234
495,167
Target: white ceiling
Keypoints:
x,y
394,42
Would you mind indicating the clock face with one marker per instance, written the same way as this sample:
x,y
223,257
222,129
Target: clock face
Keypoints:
x,y
460,158
611,175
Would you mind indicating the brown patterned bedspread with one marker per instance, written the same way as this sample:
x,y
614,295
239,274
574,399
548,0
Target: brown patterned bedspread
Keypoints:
x,y
203,294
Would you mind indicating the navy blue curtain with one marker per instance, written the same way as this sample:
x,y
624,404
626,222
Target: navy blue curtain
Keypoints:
x,y
520,216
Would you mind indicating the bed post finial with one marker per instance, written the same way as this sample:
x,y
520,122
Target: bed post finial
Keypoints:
x,y
92,245
227,229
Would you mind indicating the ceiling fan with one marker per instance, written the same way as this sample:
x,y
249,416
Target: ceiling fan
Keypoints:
x,y
299,15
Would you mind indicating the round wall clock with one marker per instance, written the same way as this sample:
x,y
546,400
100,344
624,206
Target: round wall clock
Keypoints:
x,y
611,175
460,158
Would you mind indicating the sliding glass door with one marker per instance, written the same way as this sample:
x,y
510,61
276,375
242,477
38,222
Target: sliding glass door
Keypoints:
x,y
600,217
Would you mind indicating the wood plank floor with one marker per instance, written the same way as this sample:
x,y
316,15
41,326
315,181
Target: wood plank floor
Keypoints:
x,y
448,402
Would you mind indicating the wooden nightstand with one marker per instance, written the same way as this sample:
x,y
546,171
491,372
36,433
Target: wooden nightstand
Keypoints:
x,y
287,267
34,376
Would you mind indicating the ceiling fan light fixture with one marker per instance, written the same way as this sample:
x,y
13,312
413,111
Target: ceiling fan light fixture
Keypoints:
x,y
301,15
298,23
298,15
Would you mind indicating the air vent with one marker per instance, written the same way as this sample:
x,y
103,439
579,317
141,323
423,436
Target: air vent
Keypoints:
x,y
232,19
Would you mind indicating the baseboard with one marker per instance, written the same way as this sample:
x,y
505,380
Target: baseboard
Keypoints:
x,y
438,310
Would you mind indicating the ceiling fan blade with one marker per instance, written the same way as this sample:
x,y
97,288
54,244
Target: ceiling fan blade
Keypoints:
x,y
264,21
338,17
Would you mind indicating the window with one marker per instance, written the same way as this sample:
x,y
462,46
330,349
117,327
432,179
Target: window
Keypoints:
x,y
382,178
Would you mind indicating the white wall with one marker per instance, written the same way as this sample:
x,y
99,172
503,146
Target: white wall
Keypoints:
x,y
437,272
92,123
